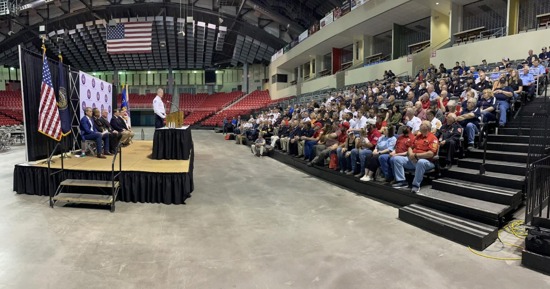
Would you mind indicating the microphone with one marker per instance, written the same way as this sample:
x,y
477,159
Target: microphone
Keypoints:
x,y
172,104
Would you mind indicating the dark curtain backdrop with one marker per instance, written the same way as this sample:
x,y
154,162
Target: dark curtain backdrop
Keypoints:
x,y
38,145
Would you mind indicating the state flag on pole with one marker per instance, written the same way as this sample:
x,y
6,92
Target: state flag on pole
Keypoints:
x,y
48,114
62,101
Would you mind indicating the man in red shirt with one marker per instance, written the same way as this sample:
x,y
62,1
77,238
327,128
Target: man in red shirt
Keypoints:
x,y
419,158
404,142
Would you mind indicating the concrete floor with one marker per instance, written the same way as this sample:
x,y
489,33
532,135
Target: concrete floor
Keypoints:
x,y
251,223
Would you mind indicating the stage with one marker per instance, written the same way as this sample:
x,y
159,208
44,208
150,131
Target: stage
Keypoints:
x,y
143,179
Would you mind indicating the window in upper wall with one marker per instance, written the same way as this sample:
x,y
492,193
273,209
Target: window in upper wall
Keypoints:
x,y
489,14
528,12
327,61
347,54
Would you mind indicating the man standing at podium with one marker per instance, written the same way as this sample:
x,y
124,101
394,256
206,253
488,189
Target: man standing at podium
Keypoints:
x,y
158,108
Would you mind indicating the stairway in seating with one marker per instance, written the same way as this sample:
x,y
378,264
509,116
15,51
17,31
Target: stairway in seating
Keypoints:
x,y
467,207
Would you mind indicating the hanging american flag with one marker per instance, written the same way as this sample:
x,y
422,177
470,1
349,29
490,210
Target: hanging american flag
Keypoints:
x,y
48,114
125,38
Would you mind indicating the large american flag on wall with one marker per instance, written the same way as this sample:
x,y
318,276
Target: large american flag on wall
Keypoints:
x,y
132,37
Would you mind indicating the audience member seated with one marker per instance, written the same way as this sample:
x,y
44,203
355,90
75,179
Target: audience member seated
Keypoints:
x,y
402,144
119,125
89,131
396,116
310,141
419,158
502,93
307,132
384,146
258,146
469,120
487,106
449,138
529,84
412,121
515,83
333,141
343,153
364,146
434,121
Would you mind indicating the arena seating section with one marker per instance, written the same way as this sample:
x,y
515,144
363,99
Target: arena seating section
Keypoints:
x,y
11,108
256,100
144,100
203,105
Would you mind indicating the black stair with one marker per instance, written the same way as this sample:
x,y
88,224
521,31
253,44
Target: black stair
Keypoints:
x,y
490,178
499,155
508,147
509,138
493,166
474,234
483,192
513,129
473,209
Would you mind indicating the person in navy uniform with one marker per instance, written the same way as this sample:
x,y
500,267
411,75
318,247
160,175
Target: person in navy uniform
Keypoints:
x,y
487,106
449,137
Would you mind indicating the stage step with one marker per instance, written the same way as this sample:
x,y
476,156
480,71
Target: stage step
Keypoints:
x,y
517,157
478,191
474,209
508,147
84,198
535,261
490,178
463,231
89,183
513,130
509,138
494,166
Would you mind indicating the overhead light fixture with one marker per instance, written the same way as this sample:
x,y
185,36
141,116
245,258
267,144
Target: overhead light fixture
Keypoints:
x,y
149,72
220,20
12,68
10,33
162,44
436,3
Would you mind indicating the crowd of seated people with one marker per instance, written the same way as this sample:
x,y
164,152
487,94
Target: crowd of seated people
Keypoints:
x,y
393,127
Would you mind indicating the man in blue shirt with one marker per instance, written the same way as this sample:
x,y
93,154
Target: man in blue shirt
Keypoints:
x,y
539,73
503,93
528,81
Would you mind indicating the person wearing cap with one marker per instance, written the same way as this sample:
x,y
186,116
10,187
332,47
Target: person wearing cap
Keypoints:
x,y
419,158
364,145
469,120
385,145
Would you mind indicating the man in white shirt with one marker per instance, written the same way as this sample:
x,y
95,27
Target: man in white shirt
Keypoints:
x,y
158,108
414,122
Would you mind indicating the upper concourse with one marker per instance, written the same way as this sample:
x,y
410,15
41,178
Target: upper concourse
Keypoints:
x,y
404,36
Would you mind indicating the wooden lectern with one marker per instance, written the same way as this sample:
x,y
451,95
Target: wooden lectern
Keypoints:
x,y
175,118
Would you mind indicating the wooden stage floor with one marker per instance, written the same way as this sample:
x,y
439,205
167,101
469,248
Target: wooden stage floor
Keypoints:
x,y
135,158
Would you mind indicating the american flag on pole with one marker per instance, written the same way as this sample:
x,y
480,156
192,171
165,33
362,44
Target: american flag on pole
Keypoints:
x,y
48,115
131,37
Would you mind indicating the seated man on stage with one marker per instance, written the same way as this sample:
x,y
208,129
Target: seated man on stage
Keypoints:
x,y
103,125
89,131
119,125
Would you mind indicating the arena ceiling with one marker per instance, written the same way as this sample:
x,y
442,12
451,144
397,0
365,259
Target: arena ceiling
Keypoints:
x,y
255,30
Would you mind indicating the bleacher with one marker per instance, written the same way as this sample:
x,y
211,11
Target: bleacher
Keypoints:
x,y
142,101
256,100
11,108
203,105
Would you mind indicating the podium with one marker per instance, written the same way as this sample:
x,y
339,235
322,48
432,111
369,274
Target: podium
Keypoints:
x,y
174,119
